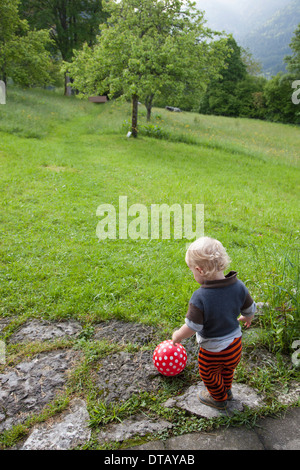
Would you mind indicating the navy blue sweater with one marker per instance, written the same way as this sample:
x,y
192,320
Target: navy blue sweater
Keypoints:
x,y
216,305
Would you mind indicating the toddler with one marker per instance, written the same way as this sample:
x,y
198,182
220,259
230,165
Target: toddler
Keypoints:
x,y
213,315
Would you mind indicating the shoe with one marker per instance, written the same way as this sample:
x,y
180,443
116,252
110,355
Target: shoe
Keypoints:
x,y
229,394
205,398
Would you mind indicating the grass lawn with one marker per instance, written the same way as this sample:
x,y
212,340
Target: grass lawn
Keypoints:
x,y
61,158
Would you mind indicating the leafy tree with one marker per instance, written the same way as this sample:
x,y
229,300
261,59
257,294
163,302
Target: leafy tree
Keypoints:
x,y
71,23
23,53
278,96
249,93
147,47
221,97
253,67
293,61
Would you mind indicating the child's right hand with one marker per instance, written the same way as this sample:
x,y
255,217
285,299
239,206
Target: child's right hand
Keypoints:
x,y
176,338
183,333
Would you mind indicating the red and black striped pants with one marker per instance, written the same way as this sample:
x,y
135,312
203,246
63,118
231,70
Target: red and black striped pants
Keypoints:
x,y
217,368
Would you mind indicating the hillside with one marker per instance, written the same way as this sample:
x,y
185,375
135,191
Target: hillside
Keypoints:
x,y
270,42
239,17
265,28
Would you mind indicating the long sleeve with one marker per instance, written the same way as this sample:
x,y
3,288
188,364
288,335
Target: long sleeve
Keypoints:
x,y
194,318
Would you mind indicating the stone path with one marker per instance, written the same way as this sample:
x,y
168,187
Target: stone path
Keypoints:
x,y
281,433
27,386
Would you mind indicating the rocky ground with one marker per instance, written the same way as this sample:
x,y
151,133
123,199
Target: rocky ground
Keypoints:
x,y
35,373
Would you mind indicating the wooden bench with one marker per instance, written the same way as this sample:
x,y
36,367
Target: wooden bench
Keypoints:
x,y
98,99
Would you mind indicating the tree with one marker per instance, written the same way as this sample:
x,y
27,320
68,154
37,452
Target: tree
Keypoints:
x,y
221,98
148,46
249,93
71,23
293,61
278,96
23,53
253,67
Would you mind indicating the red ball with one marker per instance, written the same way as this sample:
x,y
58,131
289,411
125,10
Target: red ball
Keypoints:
x,y
169,359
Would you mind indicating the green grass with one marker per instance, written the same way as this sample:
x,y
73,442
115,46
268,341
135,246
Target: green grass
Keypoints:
x,y
61,158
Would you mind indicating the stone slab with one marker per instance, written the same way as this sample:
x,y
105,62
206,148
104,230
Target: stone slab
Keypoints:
x,y
135,426
124,332
152,445
68,430
243,395
36,330
291,395
123,374
280,433
31,384
222,439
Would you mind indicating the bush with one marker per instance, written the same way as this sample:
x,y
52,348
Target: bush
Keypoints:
x,y
278,95
150,130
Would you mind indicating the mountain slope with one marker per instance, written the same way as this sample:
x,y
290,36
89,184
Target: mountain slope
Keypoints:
x,y
265,27
270,43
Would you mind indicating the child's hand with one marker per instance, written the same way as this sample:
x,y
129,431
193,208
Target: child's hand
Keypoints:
x,y
246,320
176,338
183,333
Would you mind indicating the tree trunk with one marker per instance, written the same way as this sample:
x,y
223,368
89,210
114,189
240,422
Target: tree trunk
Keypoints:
x,y
148,104
68,89
148,113
134,115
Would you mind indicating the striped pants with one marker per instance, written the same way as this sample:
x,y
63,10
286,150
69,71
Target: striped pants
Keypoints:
x,y
217,368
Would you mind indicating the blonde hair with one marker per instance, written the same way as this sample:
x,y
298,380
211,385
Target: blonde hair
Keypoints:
x,y
208,254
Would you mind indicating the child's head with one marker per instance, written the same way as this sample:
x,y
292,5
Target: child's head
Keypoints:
x,y
209,255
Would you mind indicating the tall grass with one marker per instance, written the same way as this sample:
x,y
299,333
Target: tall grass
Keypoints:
x,y
280,291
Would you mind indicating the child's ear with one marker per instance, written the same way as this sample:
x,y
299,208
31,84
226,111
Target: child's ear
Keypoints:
x,y
200,270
